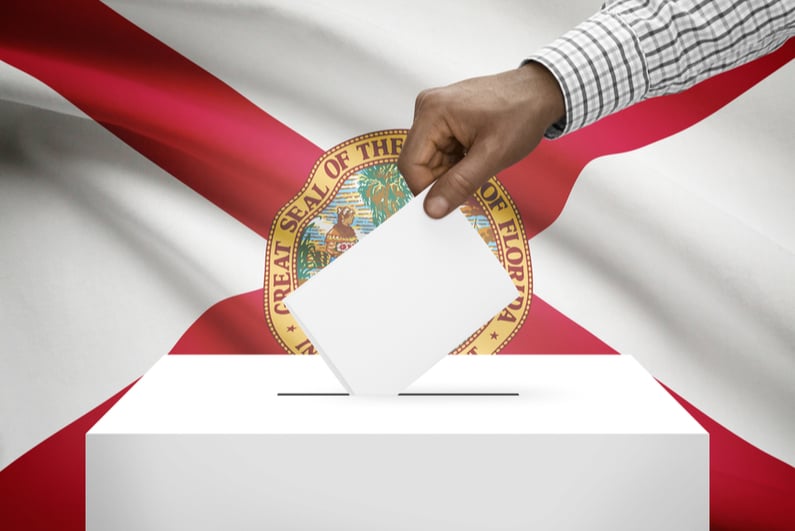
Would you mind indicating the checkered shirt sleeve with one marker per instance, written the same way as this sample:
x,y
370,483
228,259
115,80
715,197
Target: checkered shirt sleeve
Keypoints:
x,y
636,49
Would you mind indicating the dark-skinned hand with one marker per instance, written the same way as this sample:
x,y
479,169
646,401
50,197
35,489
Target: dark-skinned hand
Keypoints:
x,y
469,131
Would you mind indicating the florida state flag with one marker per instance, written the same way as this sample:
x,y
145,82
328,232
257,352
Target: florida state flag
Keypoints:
x,y
171,169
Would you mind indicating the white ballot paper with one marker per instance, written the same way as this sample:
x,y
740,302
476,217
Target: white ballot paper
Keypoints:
x,y
397,302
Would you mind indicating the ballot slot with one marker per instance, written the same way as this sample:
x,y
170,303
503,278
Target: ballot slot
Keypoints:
x,y
458,394
313,394
402,394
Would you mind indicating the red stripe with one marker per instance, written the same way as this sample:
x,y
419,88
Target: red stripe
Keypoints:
x,y
173,112
541,183
211,138
45,489
547,331
217,142
234,325
214,140
750,490
237,325
202,132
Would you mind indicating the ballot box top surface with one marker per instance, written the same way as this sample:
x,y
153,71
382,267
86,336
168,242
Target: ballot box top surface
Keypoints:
x,y
286,394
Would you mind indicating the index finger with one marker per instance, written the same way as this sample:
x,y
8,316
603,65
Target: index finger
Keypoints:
x,y
415,158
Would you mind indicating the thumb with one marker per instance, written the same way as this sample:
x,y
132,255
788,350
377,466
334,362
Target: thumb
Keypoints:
x,y
453,188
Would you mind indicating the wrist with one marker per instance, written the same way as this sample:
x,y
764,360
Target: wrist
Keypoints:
x,y
543,93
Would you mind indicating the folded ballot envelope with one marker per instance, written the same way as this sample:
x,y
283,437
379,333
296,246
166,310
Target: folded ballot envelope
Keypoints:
x,y
397,302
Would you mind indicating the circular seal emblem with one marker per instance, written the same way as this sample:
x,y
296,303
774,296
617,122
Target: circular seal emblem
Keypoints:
x,y
353,188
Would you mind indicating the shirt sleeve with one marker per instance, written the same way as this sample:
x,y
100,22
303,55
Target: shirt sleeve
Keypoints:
x,y
636,49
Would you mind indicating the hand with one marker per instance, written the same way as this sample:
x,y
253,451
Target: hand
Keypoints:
x,y
467,132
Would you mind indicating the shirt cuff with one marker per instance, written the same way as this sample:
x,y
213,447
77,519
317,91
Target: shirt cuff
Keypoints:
x,y
600,68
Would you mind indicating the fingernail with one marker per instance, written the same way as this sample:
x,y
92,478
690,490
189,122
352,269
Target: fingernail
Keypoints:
x,y
437,206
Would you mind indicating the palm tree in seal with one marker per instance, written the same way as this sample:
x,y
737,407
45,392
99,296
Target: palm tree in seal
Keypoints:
x,y
383,190
311,257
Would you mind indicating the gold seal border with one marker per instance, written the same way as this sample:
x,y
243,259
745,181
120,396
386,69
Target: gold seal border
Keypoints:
x,y
510,213
313,180
476,343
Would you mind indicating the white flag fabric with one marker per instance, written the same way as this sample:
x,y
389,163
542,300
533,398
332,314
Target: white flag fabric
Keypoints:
x,y
147,146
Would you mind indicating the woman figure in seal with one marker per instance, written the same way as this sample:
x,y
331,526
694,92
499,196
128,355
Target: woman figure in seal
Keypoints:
x,y
341,236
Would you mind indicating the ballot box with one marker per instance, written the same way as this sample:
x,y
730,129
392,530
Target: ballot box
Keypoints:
x,y
477,443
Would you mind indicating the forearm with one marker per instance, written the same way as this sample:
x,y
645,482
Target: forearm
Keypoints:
x,y
635,49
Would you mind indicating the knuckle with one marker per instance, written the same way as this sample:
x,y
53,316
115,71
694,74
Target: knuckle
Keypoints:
x,y
493,149
422,96
428,98
459,187
420,101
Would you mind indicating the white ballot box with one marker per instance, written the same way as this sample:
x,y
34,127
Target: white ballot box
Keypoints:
x,y
477,443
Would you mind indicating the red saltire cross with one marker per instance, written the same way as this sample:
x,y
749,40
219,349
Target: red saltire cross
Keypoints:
x,y
211,138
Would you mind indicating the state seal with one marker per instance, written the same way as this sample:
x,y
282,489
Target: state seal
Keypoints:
x,y
354,187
